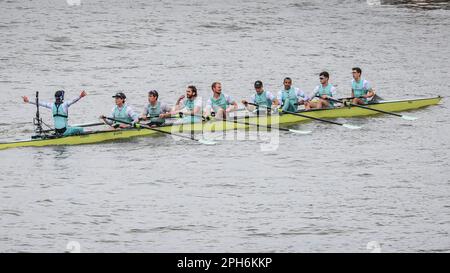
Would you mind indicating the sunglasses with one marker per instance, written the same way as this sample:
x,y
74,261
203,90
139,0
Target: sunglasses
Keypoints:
x,y
322,78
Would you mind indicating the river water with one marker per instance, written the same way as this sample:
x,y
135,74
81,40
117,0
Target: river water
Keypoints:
x,y
385,187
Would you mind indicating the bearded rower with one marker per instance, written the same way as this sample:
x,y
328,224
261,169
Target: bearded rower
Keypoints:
x,y
290,97
122,112
220,103
60,110
261,98
189,105
361,89
155,111
321,93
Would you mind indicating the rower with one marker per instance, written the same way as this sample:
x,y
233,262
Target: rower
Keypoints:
x,y
155,111
290,97
361,89
189,105
220,103
262,98
122,112
322,92
60,110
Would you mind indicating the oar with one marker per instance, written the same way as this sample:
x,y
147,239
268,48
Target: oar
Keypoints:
x,y
349,126
78,125
88,124
405,117
301,132
202,141
157,116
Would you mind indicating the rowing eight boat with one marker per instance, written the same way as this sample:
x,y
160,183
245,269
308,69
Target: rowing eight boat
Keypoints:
x,y
211,126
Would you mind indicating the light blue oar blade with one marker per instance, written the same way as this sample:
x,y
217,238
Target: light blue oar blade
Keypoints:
x,y
352,127
405,117
300,132
206,141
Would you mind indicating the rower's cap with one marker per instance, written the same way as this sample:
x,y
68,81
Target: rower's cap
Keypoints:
x,y
120,95
258,84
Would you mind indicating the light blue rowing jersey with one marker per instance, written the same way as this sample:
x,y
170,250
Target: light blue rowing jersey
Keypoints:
x,y
327,90
60,116
360,88
263,99
121,114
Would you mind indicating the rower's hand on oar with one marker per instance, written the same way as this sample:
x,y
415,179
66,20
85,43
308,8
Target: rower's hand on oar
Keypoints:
x,y
275,109
103,117
135,124
244,102
83,94
25,99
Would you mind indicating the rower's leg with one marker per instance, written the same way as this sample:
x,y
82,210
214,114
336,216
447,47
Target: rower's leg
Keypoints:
x,y
313,104
290,107
220,114
358,101
324,103
319,104
308,105
70,131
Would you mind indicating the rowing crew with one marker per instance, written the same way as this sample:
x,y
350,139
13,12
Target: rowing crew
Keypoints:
x,y
322,97
221,104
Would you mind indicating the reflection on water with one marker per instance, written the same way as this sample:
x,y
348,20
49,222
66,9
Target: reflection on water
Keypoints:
x,y
415,4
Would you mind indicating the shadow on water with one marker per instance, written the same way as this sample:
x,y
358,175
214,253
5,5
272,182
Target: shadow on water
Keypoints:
x,y
415,4
60,152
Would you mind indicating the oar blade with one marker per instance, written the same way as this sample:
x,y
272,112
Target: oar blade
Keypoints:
x,y
405,117
206,141
300,132
350,126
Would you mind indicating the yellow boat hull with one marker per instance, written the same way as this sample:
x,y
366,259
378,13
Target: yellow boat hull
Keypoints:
x,y
211,126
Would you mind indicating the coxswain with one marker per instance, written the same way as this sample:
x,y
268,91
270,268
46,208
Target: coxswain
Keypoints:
x,y
60,109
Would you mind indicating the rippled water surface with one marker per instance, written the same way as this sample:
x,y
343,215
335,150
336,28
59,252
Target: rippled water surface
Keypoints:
x,y
333,190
